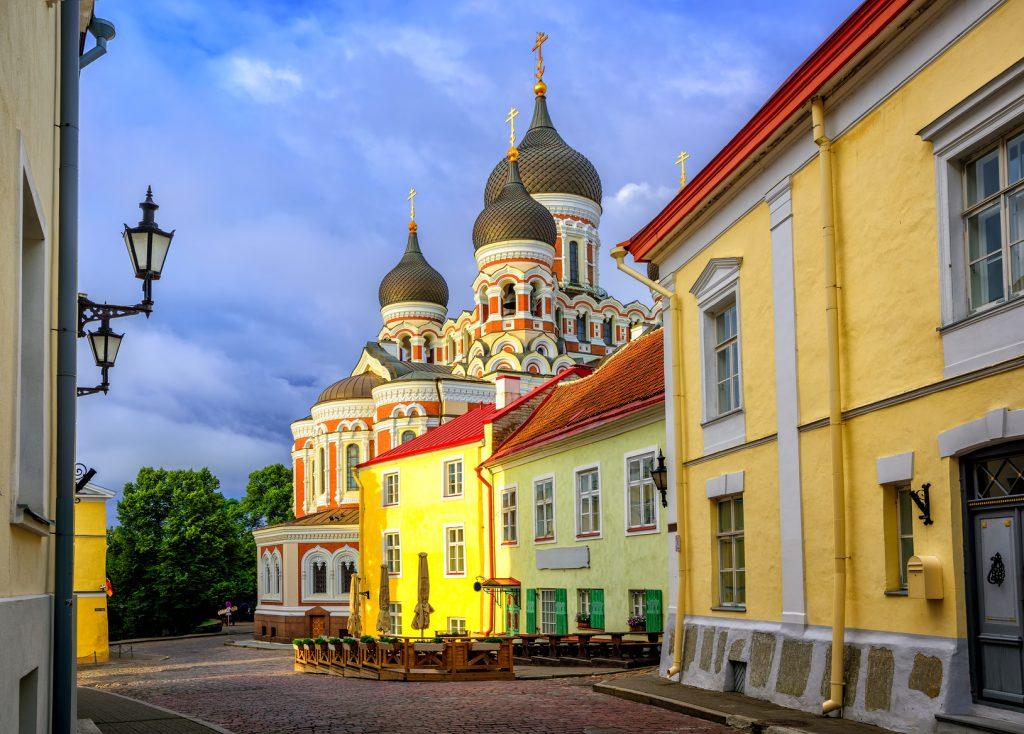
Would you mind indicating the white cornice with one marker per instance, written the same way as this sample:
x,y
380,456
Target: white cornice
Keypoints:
x,y
413,391
339,409
515,250
414,310
307,534
573,205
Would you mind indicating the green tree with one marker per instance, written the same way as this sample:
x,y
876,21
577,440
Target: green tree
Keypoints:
x,y
268,496
180,551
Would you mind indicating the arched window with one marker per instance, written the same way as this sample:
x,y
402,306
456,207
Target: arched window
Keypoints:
x,y
405,349
276,559
542,350
466,342
323,472
428,349
482,298
574,261
536,301
559,325
320,577
408,436
607,331
345,568
351,459
266,579
450,349
582,334
508,300
315,570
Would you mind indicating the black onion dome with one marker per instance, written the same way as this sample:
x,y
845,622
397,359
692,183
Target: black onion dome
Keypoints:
x,y
413,279
349,388
547,164
653,271
514,215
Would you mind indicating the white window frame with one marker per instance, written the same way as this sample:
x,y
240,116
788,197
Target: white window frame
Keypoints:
x,y
630,529
342,556
542,626
445,463
638,603
717,288
730,536
384,477
308,559
901,493
542,539
448,545
457,625
583,601
578,504
506,509
395,617
398,547
348,470
972,340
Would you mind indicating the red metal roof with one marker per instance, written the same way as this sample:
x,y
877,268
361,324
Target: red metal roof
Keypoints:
x,y
830,58
631,379
467,428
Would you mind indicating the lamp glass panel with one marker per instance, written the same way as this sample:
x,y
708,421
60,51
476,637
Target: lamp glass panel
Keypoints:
x,y
105,347
129,241
161,244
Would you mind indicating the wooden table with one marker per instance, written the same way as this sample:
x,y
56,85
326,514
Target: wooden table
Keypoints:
x,y
617,638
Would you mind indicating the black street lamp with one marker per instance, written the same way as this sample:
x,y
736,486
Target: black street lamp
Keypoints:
x,y
659,475
147,247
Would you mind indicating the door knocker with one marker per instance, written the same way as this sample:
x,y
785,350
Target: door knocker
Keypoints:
x,y
997,571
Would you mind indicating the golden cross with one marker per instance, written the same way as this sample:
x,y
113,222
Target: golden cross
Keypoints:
x,y
537,46
681,160
412,204
513,113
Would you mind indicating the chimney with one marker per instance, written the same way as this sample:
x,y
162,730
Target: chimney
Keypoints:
x,y
506,389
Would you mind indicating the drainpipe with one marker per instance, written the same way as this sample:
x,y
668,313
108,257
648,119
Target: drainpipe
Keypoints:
x,y
679,447
835,413
490,532
65,704
362,548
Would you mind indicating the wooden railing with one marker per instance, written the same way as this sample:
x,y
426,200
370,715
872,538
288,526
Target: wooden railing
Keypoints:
x,y
408,658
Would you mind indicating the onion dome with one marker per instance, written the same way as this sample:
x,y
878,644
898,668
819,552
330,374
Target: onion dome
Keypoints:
x,y
547,163
514,214
350,388
413,279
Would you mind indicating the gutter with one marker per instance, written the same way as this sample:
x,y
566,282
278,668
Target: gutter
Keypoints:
x,y
679,447
835,411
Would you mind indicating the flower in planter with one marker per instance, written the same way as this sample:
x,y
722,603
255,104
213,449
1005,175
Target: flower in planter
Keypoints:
x,y
321,640
583,619
367,639
637,621
334,640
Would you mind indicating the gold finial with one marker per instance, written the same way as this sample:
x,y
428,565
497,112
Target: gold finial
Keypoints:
x,y
681,162
412,209
540,87
513,113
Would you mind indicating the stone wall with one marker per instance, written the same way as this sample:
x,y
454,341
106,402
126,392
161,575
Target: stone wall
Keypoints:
x,y
896,681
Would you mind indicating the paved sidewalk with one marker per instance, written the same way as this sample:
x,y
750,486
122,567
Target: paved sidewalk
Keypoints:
x,y
112,713
732,709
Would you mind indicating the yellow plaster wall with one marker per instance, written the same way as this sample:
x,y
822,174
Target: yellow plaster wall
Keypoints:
x,y
420,517
90,577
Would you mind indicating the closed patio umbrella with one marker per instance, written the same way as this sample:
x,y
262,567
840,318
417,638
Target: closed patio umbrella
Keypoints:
x,y
355,617
384,615
421,615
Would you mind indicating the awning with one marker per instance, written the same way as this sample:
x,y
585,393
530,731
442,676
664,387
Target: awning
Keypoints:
x,y
500,583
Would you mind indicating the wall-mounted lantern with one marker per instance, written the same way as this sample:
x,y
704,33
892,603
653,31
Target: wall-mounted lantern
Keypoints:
x,y
659,476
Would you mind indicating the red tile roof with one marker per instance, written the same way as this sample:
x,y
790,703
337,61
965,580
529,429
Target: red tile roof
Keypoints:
x,y
467,428
629,380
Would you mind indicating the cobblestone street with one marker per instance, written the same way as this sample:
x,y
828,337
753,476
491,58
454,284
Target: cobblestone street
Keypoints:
x,y
254,691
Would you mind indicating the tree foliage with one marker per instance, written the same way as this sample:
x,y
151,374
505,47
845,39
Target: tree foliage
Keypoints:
x,y
268,496
182,549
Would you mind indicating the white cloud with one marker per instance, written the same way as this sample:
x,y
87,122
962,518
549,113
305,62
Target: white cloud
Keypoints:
x,y
440,60
641,194
261,81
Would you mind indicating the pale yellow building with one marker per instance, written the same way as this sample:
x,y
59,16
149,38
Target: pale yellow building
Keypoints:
x,y
913,176
91,573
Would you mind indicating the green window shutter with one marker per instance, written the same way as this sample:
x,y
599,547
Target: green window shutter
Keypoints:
x,y
652,599
531,611
561,613
597,608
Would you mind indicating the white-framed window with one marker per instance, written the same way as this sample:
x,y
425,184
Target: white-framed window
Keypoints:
x,y
904,530
351,461
641,502
457,625
637,603
344,570
270,575
275,560
726,359
455,550
544,509
993,218
732,583
322,469
393,552
583,602
391,489
408,436
509,516
548,618
395,617
265,572
453,478
588,502
315,572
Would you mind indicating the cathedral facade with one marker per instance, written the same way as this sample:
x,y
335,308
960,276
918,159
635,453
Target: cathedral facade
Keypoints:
x,y
538,310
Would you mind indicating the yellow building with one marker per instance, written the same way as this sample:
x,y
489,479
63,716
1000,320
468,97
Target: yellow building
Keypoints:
x,y
849,459
425,496
91,573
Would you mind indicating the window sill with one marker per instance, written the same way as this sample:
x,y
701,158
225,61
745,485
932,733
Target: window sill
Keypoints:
x,y
453,496
588,536
545,539
721,417
983,313
729,608
390,504
896,592
509,543
26,519
641,529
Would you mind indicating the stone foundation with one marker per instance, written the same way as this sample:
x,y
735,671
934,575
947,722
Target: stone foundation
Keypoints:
x,y
896,681
271,627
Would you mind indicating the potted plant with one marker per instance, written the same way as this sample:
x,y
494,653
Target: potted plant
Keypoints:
x,y
637,623
487,644
583,621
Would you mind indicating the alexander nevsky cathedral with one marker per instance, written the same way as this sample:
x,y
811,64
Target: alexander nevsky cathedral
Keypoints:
x,y
539,309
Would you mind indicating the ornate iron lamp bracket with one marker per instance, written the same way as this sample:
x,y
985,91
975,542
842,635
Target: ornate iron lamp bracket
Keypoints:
x,y
89,311
922,498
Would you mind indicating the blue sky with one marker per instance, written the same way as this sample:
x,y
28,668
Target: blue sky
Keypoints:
x,y
280,139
